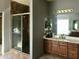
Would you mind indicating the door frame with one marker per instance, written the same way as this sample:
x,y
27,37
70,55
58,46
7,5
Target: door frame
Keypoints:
x,y
2,33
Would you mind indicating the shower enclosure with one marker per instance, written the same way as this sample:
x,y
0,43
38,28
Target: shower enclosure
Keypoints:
x,y
20,32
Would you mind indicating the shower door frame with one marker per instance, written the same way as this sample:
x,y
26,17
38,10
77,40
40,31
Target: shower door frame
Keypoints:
x,y
21,14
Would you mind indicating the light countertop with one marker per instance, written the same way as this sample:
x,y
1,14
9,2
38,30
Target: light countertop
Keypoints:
x,y
67,39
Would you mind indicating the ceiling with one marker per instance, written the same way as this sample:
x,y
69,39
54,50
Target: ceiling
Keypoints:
x,y
25,2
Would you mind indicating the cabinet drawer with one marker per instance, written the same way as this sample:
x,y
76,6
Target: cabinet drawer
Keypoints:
x,y
47,41
55,42
72,49
63,43
72,45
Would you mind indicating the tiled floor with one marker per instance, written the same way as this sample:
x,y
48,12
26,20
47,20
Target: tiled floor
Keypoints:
x,y
14,54
51,57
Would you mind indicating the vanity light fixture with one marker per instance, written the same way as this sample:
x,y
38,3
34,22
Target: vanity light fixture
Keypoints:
x,y
70,10
62,11
58,11
65,11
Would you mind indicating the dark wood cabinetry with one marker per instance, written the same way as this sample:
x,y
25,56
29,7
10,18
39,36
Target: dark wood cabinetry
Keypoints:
x,y
54,47
72,51
47,46
17,8
65,49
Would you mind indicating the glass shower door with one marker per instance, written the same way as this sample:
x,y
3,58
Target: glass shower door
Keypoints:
x,y
17,32
20,33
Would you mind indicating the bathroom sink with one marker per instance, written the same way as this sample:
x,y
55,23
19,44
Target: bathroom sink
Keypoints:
x,y
72,39
69,37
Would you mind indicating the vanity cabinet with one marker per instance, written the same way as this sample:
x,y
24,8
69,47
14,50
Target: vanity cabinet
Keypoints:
x,y
72,51
55,47
61,48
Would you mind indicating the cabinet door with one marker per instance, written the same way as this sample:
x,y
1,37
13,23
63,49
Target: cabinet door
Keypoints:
x,y
55,47
47,46
72,51
62,49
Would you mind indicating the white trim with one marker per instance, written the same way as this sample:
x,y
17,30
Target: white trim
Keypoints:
x,y
20,14
31,29
2,33
10,33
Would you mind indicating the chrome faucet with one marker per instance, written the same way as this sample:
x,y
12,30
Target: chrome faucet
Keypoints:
x,y
62,36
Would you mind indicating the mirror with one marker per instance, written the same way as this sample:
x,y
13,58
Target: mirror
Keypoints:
x,y
76,25
63,24
48,27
